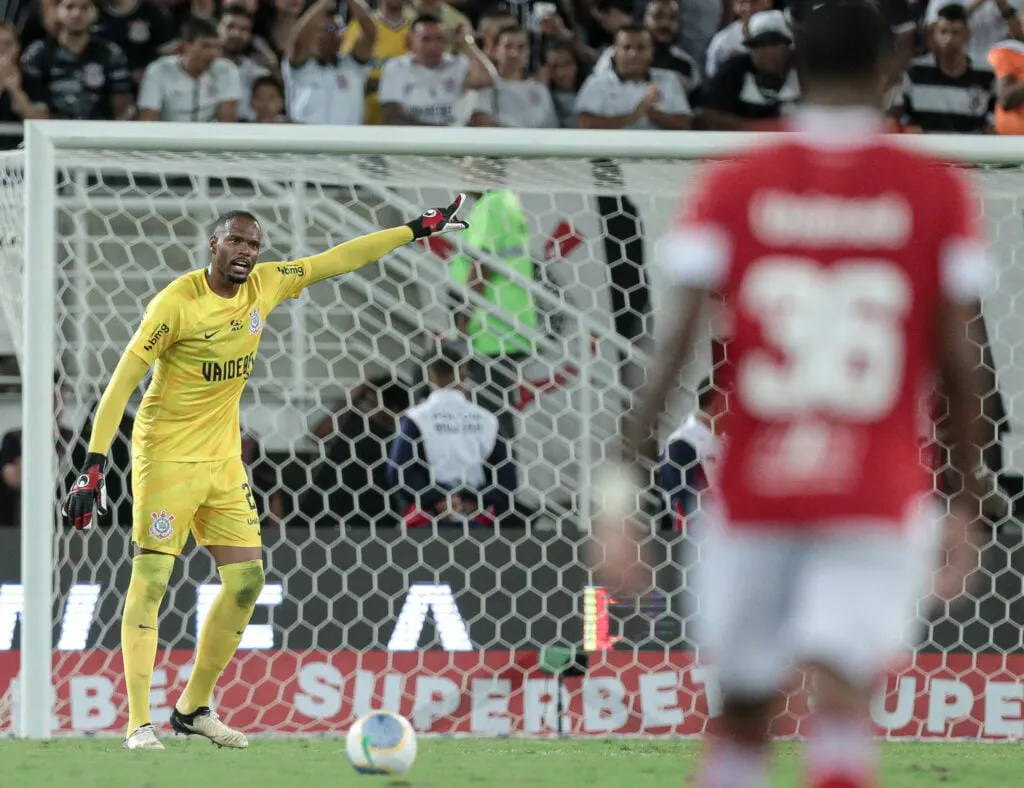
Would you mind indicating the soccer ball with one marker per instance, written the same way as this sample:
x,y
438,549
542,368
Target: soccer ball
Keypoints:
x,y
381,743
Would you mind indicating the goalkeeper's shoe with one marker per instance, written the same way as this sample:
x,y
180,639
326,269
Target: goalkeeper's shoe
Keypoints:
x,y
143,738
205,722
438,221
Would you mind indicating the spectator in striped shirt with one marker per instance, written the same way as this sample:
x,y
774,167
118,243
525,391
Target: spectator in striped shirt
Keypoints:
x,y
946,91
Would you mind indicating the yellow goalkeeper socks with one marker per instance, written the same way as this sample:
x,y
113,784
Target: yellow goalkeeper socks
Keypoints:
x,y
150,574
222,631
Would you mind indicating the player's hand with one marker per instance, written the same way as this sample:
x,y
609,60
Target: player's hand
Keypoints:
x,y
617,550
88,491
438,221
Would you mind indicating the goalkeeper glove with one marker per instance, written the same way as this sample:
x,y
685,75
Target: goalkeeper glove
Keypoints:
x,y
438,221
88,490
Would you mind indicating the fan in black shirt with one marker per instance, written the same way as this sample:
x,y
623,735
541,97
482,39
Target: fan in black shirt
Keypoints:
x,y
141,28
15,105
759,85
77,75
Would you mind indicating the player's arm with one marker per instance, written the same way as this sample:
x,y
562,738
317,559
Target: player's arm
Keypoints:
x,y
158,331
964,272
695,258
353,255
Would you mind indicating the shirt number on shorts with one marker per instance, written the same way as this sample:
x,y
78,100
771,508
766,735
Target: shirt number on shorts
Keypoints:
x,y
248,496
839,331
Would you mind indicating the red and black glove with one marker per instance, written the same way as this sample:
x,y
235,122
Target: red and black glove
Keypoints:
x,y
89,490
438,221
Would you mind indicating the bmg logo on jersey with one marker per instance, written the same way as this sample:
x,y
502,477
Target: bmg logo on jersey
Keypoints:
x,y
217,371
161,527
154,338
291,270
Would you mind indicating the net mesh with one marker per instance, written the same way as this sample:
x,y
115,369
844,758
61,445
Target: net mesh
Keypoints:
x,y
442,622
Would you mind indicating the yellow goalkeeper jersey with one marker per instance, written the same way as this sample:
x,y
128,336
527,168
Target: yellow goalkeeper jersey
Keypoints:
x,y
204,348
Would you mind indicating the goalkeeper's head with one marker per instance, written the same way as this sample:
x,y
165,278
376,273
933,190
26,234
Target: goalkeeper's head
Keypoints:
x,y
234,247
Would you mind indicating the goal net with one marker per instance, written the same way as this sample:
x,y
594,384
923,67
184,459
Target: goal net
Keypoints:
x,y
450,623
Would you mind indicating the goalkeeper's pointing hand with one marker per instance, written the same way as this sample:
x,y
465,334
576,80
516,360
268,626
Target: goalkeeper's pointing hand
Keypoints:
x,y
438,221
89,490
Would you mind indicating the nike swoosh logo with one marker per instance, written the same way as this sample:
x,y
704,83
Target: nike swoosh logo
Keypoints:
x,y
143,626
210,334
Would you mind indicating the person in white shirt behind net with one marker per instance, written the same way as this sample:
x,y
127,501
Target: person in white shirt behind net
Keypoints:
x,y
196,86
424,87
321,85
515,100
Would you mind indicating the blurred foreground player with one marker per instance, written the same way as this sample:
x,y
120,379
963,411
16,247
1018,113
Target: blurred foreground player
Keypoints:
x,y
850,265
202,332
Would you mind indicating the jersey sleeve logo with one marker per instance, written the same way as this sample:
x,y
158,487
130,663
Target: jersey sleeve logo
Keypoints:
x,y
154,338
255,322
161,527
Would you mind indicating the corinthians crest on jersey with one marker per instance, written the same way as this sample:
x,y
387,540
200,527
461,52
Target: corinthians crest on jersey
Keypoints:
x,y
161,527
255,321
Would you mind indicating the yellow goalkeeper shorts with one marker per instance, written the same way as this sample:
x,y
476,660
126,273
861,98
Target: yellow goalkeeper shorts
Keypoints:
x,y
210,499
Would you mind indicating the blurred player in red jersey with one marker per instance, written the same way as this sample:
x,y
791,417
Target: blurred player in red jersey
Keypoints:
x,y
849,264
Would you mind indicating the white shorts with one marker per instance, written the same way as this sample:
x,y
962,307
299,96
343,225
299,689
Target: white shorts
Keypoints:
x,y
844,597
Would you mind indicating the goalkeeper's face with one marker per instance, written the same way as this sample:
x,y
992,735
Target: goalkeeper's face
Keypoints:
x,y
235,249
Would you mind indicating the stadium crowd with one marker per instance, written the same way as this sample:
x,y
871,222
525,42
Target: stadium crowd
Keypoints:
x,y
612,64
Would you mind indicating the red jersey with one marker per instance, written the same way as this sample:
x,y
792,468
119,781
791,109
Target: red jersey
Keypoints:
x,y
833,249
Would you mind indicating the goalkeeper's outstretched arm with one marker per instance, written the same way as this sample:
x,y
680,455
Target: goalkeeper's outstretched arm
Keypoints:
x,y
353,255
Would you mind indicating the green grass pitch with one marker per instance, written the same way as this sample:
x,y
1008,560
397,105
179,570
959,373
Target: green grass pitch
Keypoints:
x,y
458,763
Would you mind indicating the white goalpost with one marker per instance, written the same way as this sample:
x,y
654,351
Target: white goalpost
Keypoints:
x,y
360,611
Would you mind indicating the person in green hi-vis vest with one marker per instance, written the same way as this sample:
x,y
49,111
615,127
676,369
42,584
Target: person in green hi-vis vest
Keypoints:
x,y
498,226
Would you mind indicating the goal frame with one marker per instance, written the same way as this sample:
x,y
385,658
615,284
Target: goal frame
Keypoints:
x,y
43,139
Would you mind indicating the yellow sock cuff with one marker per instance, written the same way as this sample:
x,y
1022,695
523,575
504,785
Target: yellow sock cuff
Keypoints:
x,y
153,567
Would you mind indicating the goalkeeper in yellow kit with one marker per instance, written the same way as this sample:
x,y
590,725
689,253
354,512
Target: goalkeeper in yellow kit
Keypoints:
x,y
202,332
